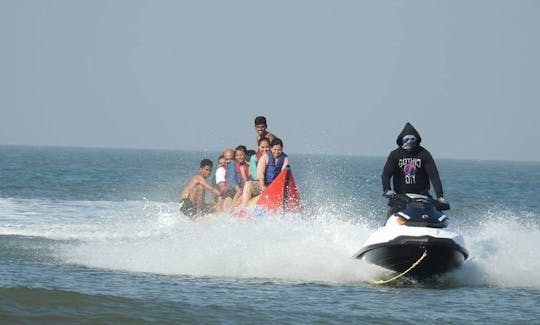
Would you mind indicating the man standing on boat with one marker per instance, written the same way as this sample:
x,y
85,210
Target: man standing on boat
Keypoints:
x,y
411,168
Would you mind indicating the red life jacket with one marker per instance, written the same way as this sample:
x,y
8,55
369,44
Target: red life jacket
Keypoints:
x,y
238,172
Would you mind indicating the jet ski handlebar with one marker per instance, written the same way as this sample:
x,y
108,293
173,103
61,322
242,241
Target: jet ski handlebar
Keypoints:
x,y
403,199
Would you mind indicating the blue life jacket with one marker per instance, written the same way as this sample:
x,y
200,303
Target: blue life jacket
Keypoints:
x,y
231,175
273,168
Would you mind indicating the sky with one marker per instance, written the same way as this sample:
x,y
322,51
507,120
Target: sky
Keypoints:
x,y
332,77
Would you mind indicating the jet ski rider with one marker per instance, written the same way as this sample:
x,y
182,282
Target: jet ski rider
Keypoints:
x,y
411,168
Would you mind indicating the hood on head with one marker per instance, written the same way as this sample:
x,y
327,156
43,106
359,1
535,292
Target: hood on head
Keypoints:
x,y
408,129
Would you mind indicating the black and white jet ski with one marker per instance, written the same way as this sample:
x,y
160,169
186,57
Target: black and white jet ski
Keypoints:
x,y
417,240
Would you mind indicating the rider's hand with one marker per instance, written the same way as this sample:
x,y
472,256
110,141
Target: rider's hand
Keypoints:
x,y
442,200
388,194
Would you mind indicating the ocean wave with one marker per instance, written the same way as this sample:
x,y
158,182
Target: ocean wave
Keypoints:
x,y
19,305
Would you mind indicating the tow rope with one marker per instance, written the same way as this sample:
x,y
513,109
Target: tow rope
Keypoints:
x,y
404,272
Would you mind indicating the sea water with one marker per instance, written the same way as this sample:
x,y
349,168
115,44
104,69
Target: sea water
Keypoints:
x,y
95,235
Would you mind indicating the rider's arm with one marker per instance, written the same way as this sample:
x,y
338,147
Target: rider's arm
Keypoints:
x,y
433,173
387,173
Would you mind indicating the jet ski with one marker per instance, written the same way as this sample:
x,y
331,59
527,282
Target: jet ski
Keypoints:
x,y
416,241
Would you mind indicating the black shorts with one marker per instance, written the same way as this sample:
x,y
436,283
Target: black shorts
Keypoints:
x,y
228,193
187,208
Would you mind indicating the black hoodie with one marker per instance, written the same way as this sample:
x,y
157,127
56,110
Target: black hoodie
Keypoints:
x,y
411,169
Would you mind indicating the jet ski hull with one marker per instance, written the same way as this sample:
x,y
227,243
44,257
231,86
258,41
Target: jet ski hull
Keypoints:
x,y
399,254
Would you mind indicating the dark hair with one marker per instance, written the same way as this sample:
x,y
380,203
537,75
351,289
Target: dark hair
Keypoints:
x,y
207,162
276,141
250,153
263,139
244,150
241,147
260,120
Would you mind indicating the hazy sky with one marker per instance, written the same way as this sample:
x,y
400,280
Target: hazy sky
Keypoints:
x,y
330,76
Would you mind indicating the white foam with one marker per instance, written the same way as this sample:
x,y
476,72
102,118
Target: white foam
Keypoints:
x,y
503,252
270,248
84,220
144,236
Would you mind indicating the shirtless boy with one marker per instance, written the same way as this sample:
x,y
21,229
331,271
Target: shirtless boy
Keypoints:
x,y
260,127
192,199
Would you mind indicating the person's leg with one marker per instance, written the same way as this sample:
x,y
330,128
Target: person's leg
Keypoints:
x,y
197,197
251,189
219,205
187,208
237,198
227,204
209,208
246,193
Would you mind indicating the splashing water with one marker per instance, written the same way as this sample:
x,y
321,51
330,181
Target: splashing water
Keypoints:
x,y
146,236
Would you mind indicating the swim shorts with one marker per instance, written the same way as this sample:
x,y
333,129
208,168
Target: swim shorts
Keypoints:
x,y
187,207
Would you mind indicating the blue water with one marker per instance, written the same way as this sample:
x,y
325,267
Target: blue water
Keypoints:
x,y
94,235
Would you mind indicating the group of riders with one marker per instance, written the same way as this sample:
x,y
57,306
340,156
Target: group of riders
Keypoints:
x,y
241,174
